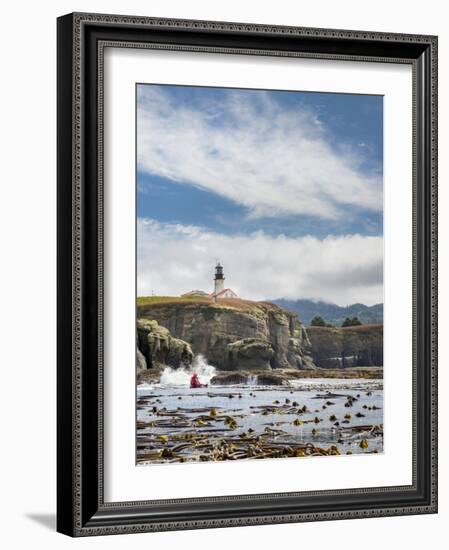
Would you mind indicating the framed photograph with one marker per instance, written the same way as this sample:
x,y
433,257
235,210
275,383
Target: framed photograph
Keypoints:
x,y
247,279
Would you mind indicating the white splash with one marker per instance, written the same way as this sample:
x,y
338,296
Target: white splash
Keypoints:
x,y
145,387
252,380
182,376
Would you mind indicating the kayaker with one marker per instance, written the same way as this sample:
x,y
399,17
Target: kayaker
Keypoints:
x,y
195,382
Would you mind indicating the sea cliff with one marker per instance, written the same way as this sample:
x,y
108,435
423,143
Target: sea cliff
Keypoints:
x,y
232,334
348,347
247,336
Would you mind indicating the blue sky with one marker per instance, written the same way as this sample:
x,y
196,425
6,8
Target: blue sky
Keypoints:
x,y
272,168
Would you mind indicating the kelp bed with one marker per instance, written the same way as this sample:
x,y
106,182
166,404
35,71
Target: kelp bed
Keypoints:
x,y
183,425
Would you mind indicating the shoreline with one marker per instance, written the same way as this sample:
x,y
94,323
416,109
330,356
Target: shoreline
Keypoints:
x,y
274,376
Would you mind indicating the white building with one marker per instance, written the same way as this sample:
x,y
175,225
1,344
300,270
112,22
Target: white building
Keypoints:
x,y
219,292
219,289
195,293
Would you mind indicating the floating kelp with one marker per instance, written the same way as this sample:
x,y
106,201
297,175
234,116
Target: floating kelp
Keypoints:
x,y
329,395
170,433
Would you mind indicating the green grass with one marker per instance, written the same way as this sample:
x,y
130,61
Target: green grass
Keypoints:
x,y
256,308
153,300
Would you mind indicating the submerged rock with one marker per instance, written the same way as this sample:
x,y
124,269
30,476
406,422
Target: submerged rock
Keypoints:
x,y
259,377
228,378
272,379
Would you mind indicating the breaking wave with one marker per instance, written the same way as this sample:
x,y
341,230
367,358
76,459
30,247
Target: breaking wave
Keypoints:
x,y
181,376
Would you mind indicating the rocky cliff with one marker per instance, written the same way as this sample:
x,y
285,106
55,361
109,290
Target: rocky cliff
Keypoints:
x,y
232,334
334,348
157,347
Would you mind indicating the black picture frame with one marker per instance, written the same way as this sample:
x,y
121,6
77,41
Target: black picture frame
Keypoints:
x,y
81,510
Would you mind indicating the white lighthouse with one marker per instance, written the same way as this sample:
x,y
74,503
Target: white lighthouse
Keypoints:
x,y
218,279
219,289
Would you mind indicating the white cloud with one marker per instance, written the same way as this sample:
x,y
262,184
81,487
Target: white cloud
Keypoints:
x,y
271,160
173,259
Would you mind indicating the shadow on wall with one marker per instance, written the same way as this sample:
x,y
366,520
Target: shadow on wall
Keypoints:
x,y
46,520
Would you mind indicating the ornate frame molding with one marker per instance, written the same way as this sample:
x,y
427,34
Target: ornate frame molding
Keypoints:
x,y
82,511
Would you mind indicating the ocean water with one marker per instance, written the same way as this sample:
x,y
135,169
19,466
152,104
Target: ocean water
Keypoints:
x,y
176,423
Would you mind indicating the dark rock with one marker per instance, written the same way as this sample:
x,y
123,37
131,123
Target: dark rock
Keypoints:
x,y
141,363
228,378
249,354
159,347
272,379
349,347
261,378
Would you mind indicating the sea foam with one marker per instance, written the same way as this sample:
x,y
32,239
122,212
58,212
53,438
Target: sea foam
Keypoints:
x,y
182,375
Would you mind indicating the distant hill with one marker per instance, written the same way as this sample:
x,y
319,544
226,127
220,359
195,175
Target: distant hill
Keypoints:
x,y
331,313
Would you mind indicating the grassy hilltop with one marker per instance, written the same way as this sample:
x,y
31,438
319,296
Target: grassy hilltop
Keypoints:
x,y
248,306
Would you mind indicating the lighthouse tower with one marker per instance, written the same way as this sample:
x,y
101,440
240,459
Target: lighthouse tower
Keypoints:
x,y
219,290
219,279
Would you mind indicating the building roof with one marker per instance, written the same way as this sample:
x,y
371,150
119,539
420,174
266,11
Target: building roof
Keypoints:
x,y
216,294
195,293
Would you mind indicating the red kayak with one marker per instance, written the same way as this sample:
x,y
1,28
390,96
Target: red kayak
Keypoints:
x,y
195,382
